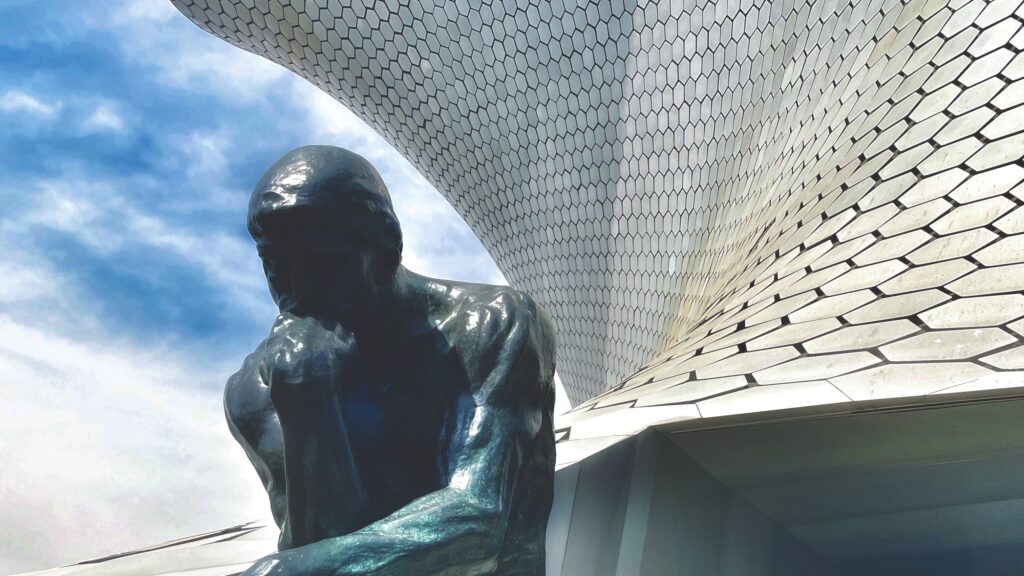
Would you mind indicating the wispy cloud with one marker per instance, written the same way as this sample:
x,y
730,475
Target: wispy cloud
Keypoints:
x,y
203,154
103,442
94,212
103,438
149,32
103,435
16,101
25,281
104,118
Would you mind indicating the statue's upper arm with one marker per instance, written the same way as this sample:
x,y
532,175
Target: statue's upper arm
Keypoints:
x,y
508,354
253,423
505,428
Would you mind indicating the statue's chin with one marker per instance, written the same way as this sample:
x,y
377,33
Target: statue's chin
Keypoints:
x,y
321,312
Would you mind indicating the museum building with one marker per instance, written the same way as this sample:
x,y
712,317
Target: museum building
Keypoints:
x,y
782,243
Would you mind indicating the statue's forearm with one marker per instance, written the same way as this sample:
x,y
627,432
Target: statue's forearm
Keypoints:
x,y
444,530
460,527
324,492
457,530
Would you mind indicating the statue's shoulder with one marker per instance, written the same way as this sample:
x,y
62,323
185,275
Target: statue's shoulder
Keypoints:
x,y
507,340
494,314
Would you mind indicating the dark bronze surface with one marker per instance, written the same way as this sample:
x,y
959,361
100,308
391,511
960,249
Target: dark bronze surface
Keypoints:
x,y
400,424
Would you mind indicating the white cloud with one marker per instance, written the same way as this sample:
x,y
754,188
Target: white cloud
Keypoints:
x,y
204,153
229,261
103,443
133,12
108,445
104,118
65,205
329,120
15,101
95,213
24,281
218,70
195,62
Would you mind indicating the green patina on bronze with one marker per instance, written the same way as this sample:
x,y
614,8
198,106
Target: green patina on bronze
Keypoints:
x,y
400,424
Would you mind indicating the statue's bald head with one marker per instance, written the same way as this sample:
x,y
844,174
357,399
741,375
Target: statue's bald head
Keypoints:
x,y
325,189
326,232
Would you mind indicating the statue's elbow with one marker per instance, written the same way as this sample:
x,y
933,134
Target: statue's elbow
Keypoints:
x,y
489,528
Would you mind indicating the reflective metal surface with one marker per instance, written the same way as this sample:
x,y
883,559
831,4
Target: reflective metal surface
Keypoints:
x,y
805,194
400,424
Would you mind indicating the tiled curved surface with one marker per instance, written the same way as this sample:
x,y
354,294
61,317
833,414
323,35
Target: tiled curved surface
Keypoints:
x,y
729,196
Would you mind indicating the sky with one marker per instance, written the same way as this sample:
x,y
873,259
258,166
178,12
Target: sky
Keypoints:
x,y
129,289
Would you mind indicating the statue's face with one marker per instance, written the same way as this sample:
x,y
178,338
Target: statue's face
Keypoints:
x,y
328,237
315,274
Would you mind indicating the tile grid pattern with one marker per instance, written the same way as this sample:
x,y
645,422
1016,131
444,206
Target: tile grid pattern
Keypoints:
x,y
817,201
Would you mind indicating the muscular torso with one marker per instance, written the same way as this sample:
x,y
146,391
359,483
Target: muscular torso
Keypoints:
x,y
396,414
396,418
402,411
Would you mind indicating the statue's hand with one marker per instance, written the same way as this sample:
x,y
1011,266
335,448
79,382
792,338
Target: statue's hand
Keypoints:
x,y
303,354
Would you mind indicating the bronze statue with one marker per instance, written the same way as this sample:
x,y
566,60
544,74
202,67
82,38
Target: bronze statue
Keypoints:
x,y
400,424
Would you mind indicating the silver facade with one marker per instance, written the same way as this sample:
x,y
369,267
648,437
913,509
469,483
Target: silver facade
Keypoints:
x,y
712,199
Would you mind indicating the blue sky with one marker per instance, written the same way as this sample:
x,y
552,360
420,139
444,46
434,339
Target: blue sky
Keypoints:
x,y
130,290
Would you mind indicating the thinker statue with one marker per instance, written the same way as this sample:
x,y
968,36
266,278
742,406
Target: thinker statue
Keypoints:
x,y
401,425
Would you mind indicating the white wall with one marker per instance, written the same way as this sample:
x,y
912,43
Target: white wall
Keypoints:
x,y
644,508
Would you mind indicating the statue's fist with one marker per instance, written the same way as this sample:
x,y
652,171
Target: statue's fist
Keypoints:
x,y
304,357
